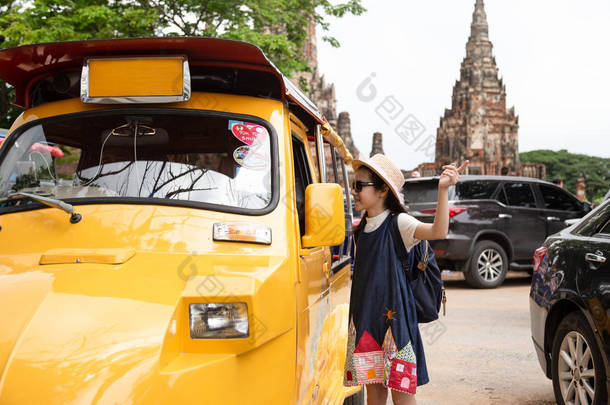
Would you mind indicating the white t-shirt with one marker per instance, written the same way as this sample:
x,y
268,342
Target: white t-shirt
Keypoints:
x,y
406,226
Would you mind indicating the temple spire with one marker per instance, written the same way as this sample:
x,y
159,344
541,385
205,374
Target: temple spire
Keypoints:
x,y
478,45
479,28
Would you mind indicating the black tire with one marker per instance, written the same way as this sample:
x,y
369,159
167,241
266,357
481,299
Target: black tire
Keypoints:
x,y
356,399
487,266
574,326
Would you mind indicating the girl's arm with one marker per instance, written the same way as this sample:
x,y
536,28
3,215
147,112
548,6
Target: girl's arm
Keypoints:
x,y
438,229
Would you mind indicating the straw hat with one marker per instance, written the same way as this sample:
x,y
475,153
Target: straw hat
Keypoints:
x,y
384,168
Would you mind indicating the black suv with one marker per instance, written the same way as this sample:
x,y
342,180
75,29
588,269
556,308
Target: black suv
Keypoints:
x,y
496,222
570,309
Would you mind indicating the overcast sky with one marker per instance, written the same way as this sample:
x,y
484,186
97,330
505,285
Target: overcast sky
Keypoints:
x,y
554,57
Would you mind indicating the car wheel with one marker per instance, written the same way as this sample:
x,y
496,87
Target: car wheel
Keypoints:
x,y
488,265
356,399
577,364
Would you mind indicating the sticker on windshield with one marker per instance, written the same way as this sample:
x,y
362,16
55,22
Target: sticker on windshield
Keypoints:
x,y
250,158
248,132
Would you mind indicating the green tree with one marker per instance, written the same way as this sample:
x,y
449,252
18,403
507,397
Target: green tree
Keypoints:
x,y
569,166
278,27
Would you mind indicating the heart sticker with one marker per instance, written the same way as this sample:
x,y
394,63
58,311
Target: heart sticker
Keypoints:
x,y
249,133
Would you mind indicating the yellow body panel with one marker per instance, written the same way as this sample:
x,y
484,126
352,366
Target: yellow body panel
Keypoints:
x,y
113,326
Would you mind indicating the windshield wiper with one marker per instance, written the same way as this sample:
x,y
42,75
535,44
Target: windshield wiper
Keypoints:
x,y
48,201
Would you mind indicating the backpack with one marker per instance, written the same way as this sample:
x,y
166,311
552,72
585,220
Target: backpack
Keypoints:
x,y
424,275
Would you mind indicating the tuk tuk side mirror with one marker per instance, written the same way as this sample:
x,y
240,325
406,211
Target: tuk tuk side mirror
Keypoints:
x,y
324,215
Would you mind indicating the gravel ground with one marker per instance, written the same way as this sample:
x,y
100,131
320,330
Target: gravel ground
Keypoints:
x,y
482,352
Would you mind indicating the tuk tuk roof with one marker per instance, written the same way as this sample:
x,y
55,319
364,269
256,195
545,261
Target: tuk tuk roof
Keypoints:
x,y
21,66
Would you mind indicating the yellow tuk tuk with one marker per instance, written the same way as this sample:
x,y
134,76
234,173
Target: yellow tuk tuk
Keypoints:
x,y
173,216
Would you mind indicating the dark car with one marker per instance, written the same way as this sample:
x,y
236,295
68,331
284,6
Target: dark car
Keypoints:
x,y
570,309
496,222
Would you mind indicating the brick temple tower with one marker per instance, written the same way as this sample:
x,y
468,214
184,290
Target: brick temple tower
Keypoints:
x,y
377,144
478,126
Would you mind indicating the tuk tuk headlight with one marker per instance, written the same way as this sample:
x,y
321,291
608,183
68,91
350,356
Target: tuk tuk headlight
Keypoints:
x,y
218,320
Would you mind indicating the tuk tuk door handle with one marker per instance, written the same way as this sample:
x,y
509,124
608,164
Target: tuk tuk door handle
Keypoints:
x,y
504,216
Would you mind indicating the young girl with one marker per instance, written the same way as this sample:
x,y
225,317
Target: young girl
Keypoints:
x,y
384,347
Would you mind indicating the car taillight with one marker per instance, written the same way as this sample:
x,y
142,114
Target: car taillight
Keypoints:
x,y
539,257
453,211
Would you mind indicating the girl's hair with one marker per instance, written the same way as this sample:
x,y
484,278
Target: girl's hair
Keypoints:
x,y
391,202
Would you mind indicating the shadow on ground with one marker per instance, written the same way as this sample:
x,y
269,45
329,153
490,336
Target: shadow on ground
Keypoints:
x,y
455,280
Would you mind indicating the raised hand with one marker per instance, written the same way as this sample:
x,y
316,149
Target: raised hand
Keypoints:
x,y
451,174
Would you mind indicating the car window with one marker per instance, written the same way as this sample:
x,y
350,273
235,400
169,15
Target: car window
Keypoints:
x,y
418,192
595,222
557,199
423,191
605,230
502,197
475,190
519,195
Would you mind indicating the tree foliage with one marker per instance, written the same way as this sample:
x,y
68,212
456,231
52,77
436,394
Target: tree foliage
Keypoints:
x,y
569,166
278,27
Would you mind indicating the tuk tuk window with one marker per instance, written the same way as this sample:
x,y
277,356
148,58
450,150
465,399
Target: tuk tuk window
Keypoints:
x,y
336,173
302,178
314,155
218,161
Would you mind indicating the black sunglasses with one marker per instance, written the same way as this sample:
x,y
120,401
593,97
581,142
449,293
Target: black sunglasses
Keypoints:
x,y
357,185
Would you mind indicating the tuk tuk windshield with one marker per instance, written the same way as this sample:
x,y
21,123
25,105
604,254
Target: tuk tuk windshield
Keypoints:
x,y
171,156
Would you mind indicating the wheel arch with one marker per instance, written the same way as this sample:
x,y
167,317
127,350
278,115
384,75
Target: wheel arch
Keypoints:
x,y
494,236
558,311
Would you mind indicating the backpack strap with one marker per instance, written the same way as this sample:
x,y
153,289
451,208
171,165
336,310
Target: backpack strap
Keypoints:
x,y
422,263
399,246
426,252
421,252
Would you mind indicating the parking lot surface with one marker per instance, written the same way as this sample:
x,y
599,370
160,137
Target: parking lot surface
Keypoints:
x,y
482,352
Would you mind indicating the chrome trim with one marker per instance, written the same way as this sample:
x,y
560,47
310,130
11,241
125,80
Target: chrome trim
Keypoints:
x,y
186,87
321,156
294,91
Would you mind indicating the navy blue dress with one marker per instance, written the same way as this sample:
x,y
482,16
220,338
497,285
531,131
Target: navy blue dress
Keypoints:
x,y
384,344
